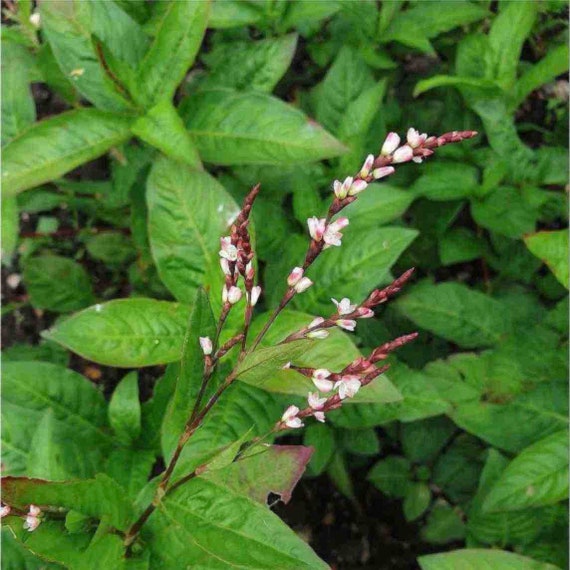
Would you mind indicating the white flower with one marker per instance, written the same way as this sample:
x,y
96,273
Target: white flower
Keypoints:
x,y
403,154
302,285
286,366
390,144
343,306
357,187
4,511
225,265
294,276
415,139
232,296
316,227
316,321
254,296
332,235
320,380
346,324
290,419
320,416
228,251
206,345
382,172
35,20
341,189
34,511
318,334
348,386
367,166
315,402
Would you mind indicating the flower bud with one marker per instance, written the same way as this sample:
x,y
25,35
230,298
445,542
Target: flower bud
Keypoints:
x,y
316,321
225,265
367,166
5,511
383,172
35,20
320,334
232,296
403,154
316,227
249,270
346,324
290,419
319,416
315,402
302,285
365,313
390,144
295,276
415,139
254,295
357,187
228,250
348,386
206,345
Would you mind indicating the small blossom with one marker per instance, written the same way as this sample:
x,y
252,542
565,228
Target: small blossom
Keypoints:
x,y
382,172
254,296
346,324
415,139
316,227
32,521
286,366
357,187
341,189
348,386
337,189
228,250
320,380
403,154
390,144
367,166
316,321
35,20
206,345
232,296
315,402
365,313
295,276
320,334
249,270
320,416
332,235
343,306
302,285
418,159
34,511
290,419
225,265
4,511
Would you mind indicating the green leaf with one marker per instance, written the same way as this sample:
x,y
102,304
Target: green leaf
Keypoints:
x,y
340,475
250,65
163,128
299,12
417,500
457,313
360,441
131,468
207,524
459,245
231,127
57,145
321,438
443,525
362,263
392,476
476,559
435,183
423,440
188,213
10,226
234,13
178,38
125,409
537,476
476,84
125,332
16,557
190,377
57,283
68,29
552,249
113,248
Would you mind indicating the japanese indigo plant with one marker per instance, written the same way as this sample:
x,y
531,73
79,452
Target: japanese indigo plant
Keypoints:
x,y
330,391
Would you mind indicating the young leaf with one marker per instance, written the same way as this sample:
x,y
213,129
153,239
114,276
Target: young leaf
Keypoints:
x,y
552,248
459,245
230,127
178,38
537,476
125,409
125,332
188,213
321,438
131,468
392,476
443,525
416,501
455,312
57,145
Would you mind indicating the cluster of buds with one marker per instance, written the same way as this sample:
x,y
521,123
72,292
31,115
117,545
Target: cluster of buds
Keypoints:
x,y
31,520
236,257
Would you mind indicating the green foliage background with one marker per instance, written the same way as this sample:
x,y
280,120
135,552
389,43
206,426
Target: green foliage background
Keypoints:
x,y
190,104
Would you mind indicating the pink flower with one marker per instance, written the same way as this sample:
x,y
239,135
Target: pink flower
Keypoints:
x,y
383,172
302,285
34,511
341,189
315,402
320,416
403,154
32,521
294,276
4,511
357,187
316,227
254,296
228,250
206,345
231,296
316,321
249,270
320,334
346,324
390,144
344,307
348,386
415,139
320,380
332,234
225,265
290,419
365,313
367,166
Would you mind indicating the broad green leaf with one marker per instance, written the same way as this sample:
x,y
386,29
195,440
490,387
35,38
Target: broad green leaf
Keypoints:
x,y
178,38
443,525
113,248
447,181
478,559
231,127
45,351
16,557
188,213
416,501
299,12
125,409
125,332
58,144
457,313
360,441
552,248
207,525
321,438
354,269
191,371
392,476
131,468
250,65
68,29
537,476
163,128
484,86
234,13
423,440
57,283
10,227
459,245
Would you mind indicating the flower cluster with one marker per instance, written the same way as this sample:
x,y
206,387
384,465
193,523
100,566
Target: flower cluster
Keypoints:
x,y
31,520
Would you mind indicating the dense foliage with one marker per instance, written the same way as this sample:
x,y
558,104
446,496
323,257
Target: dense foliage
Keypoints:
x,y
132,130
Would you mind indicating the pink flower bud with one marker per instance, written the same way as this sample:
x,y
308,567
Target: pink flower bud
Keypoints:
x,y
295,276
34,511
320,416
346,324
225,265
316,227
367,166
403,154
31,523
320,334
346,185
254,295
232,296
228,251
206,345
316,321
383,172
339,224
302,285
290,419
348,386
4,511
323,385
365,313
338,190
249,270
344,307
390,144
315,402
415,139
418,159
357,187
